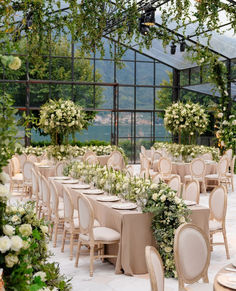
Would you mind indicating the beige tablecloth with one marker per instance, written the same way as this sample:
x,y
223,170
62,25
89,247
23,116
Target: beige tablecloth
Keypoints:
x,y
46,171
135,229
217,286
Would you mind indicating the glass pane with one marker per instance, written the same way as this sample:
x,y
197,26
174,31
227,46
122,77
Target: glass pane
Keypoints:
x,y
61,69
125,127
83,71
84,95
128,55
164,75
140,57
100,130
17,91
104,97
163,98
144,98
161,134
144,73
184,77
207,100
233,69
126,98
39,70
105,69
143,124
127,146
126,74
61,46
19,74
39,94
61,91
195,76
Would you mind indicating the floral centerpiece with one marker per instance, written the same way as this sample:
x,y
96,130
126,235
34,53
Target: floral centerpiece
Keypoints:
x,y
226,132
59,118
168,210
187,119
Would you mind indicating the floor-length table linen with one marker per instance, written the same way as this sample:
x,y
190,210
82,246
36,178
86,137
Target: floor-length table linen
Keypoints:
x,y
134,228
217,286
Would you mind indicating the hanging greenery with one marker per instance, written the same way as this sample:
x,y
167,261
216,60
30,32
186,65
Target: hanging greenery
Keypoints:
x,y
90,21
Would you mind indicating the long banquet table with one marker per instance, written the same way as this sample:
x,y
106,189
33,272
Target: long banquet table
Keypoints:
x,y
134,227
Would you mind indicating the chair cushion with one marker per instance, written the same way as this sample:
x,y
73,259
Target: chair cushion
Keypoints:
x,y
189,177
200,287
212,176
103,234
214,225
17,177
76,222
60,214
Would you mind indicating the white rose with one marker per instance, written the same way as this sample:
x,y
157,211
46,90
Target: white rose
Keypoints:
x,y
16,243
154,196
21,210
42,275
8,230
168,249
25,229
153,186
182,219
5,244
4,191
44,228
11,260
15,64
13,209
15,219
177,200
4,178
220,115
163,198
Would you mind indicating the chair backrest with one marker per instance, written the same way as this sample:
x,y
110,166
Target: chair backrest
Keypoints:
x,y
175,184
222,167
232,165
88,153
155,268
86,215
156,156
116,161
129,171
229,154
54,201
22,158
45,192
191,253
32,158
35,185
156,179
143,150
16,165
191,191
197,168
92,160
59,168
165,166
218,203
206,156
68,206
27,170
40,192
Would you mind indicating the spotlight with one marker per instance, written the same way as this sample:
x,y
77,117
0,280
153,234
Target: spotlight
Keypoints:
x,y
144,29
173,48
29,20
182,45
149,16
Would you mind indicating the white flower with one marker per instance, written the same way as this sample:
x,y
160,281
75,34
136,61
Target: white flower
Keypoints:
x,y
16,243
168,249
25,245
44,228
234,122
4,178
177,200
8,230
11,260
15,219
154,196
220,115
25,229
163,198
182,219
5,244
3,191
21,210
153,186
15,64
42,275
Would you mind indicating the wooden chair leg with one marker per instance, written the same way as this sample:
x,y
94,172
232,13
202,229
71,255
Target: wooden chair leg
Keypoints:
x,y
77,254
63,241
71,245
91,259
226,244
232,183
51,230
55,234
211,242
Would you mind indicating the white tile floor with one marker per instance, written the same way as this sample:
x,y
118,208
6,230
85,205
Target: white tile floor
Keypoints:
x,y
104,278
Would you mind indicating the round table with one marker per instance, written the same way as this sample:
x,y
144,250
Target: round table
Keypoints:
x,y
218,286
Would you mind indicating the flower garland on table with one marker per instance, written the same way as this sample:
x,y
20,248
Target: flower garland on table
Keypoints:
x,y
189,119
61,118
226,132
168,210
187,152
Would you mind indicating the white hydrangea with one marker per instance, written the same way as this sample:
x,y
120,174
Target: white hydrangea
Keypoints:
x,y
5,244
16,243
8,230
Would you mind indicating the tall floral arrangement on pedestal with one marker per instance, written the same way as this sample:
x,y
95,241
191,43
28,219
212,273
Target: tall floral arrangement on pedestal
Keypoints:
x,y
186,119
59,118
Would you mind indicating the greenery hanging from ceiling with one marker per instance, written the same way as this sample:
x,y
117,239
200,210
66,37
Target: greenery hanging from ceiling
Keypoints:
x,y
90,21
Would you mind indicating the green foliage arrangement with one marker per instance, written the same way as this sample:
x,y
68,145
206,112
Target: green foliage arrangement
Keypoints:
x,y
186,119
187,152
59,118
168,210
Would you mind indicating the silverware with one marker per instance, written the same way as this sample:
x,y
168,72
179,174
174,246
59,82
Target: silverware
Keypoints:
x,y
230,269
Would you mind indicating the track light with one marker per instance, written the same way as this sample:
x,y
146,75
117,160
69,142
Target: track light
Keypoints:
x,y
144,29
182,45
29,20
173,48
149,16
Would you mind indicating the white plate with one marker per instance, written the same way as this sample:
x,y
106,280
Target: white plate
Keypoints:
x,y
44,166
108,198
93,192
81,186
234,263
227,280
189,202
70,181
124,206
61,178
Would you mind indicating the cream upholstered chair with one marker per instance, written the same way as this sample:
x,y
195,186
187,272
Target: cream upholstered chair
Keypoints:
x,y
87,154
218,207
57,211
16,178
230,175
144,166
198,172
40,193
175,184
143,150
191,191
59,168
165,168
116,161
92,160
46,198
156,179
206,157
192,258
93,236
35,188
155,158
229,154
32,158
22,158
222,169
27,176
155,268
